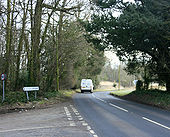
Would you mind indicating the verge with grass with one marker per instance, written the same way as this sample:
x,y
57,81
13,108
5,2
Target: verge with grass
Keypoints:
x,y
16,101
121,92
156,98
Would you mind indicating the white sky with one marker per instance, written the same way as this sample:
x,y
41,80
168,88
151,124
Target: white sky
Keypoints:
x,y
112,58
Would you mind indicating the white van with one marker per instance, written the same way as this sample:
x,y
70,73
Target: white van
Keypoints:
x,y
86,85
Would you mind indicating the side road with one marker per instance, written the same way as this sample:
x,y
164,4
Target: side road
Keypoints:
x,y
58,120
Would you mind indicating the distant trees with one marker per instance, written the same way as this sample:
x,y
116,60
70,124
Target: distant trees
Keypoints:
x,y
141,31
110,73
43,44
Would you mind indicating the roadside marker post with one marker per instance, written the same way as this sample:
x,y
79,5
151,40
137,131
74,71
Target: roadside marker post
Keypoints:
x,y
3,77
27,89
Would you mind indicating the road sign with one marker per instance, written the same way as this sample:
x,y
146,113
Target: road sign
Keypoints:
x,y
3,76
30,88
26,89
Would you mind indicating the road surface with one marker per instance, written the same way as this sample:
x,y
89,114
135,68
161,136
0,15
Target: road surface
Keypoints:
x,y
88,115
60,120
109,116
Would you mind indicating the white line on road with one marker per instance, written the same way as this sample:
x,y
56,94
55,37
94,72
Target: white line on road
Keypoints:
x,y
91,131
72,124
69,117
110,103
88,127
80,118
156,123
84,124
118,107
99,98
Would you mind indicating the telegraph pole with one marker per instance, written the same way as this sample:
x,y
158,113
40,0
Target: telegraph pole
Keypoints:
x,y
119,77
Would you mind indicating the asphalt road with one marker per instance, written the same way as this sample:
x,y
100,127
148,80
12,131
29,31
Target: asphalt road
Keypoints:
x,y
60,120
109,116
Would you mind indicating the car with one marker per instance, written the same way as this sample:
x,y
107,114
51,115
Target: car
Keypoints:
x,y
86,85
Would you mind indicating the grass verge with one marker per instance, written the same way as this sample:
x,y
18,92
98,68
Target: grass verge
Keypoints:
x,y
156,98
16,101
121,92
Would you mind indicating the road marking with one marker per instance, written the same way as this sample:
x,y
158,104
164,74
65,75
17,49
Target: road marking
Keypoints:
x,y
69,117
156,123
110,104
99,98
91,131
72,124
88,127
84,124
118,107
80,118
76,113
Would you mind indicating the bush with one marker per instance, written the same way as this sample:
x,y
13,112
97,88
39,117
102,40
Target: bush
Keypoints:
x,y
13,97
18,96
139,85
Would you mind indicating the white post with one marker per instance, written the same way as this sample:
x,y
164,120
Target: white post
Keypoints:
x,y
27,95
3,97
35,94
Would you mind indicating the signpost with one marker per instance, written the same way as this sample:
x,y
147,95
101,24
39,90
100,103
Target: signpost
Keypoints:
x,y
26,89
3,76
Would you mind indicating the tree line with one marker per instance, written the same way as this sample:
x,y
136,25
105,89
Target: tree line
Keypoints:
x,y
116,74
139,35
42,44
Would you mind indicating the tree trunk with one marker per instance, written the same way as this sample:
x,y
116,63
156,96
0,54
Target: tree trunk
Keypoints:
x,y
20,47
58,44
8,30
36,31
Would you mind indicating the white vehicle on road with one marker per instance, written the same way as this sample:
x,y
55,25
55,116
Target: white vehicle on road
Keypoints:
x,y
86,85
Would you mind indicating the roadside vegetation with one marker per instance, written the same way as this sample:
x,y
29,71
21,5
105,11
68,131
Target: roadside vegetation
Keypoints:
x,y
43,44
121,92
154,97
54,45
140,38
16,101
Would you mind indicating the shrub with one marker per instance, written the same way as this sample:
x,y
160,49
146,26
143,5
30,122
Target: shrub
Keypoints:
x,y
139,85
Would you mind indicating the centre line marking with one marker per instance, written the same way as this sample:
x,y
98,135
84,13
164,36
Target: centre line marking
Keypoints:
x,y
118,107
99,98
156,123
